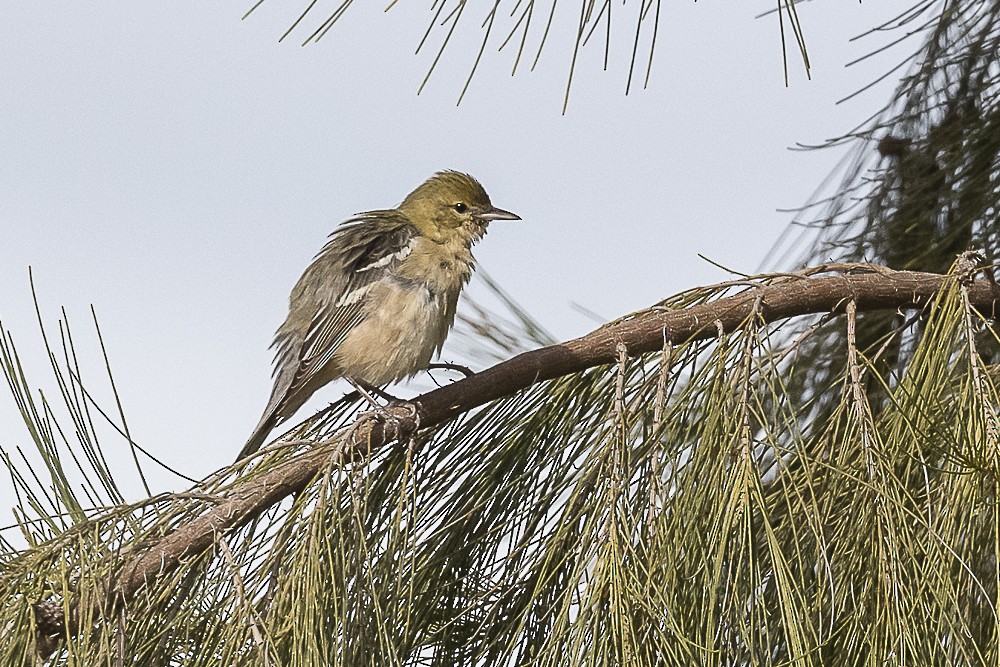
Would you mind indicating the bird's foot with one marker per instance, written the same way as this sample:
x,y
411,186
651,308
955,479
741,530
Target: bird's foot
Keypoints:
x,y
398,420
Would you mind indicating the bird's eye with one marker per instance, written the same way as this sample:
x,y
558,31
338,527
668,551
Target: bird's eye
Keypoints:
x,y
461,207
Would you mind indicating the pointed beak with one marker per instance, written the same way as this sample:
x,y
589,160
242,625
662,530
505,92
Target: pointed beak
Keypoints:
x,y
493,213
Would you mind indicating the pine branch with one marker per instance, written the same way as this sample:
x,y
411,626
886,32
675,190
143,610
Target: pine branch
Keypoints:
x,y
867,287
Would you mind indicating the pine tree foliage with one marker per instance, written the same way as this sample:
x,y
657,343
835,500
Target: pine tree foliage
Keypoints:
x,y
522,29
669,509
810,492
919,185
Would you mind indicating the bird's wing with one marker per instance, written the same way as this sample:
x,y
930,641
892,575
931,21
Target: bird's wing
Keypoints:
x,y
326,304
359,254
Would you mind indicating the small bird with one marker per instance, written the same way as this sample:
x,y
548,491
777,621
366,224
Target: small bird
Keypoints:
x,y
378,300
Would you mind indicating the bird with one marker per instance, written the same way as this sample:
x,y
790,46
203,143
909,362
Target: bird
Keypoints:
x,y
377,302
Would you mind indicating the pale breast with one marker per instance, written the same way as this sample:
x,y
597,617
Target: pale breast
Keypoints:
x,y
398,335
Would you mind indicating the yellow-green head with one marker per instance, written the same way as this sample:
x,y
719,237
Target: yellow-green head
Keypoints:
x,y
451,201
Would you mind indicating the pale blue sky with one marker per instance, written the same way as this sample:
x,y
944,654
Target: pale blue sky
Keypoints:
x,y
178,168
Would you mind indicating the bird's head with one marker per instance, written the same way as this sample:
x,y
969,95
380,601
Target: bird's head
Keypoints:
x,y
451,203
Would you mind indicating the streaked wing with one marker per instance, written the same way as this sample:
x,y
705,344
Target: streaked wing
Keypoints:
x,y
360,253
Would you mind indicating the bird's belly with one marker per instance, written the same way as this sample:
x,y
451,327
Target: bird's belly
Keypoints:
x,y
397,336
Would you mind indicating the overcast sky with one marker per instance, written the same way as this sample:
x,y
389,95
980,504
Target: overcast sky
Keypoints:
x,y
177,168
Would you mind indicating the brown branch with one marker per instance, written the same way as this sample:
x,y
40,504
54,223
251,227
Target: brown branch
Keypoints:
x,y
878,288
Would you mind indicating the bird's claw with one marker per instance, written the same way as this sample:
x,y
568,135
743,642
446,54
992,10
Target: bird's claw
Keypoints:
x,y
399,419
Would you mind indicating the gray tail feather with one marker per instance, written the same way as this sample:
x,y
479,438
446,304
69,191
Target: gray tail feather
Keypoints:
x,y
278,408
259,436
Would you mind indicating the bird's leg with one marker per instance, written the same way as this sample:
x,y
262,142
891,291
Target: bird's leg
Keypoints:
x,y
363,389
366,390
381,393
464,370
387,413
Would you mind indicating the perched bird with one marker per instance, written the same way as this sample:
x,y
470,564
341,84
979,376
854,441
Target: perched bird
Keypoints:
x,y
378,300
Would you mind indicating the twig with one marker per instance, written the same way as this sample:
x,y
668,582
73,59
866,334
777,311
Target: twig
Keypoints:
x,y
258,636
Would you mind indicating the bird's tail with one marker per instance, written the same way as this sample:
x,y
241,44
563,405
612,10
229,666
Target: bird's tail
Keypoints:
x,y
259,435
279,407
